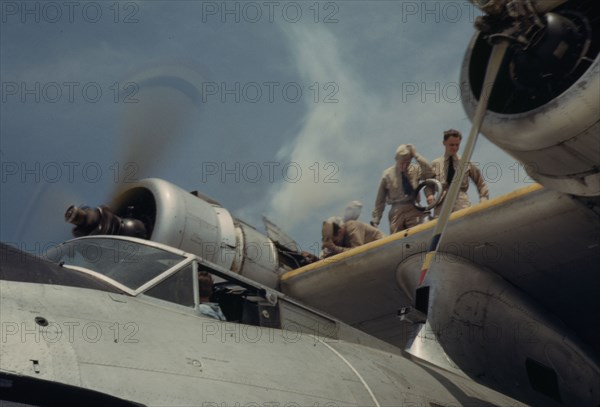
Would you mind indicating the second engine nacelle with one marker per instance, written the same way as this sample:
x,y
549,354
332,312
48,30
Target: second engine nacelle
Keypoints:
x,y
545,106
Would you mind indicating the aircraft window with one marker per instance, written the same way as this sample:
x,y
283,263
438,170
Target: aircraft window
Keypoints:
x,y
246,306
178,288
129,263
238,301
230,298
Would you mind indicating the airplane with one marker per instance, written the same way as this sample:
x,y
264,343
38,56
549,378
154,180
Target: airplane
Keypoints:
x,y
115,322
505,315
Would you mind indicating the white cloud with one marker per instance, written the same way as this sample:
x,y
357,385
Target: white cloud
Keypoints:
x,y
335,142
361,131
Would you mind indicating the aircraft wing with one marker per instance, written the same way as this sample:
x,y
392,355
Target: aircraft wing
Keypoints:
x,y
538,244
543,242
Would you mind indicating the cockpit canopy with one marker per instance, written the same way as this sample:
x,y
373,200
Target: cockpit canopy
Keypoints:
x,y
161,275
153,271
131,264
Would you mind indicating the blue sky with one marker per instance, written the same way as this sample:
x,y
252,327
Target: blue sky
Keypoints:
x,y
283,109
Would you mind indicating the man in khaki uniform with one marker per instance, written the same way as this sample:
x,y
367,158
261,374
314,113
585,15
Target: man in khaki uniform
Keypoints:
x,y
397,188
357,233
328,233
338,237
352,212
446,167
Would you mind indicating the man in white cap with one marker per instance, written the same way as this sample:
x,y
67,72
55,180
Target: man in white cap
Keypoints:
x,y
397,188
352,211
446,166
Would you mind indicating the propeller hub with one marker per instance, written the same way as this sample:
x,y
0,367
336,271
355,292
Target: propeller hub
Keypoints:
x,y
552,53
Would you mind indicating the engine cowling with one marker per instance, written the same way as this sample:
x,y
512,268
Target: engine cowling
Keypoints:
x,y
545,106
157,210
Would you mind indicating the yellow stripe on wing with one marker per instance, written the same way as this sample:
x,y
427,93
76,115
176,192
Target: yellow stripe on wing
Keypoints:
x,y
463,213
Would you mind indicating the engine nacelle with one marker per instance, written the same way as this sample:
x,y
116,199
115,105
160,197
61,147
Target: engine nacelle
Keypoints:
x,y
545,106
162,212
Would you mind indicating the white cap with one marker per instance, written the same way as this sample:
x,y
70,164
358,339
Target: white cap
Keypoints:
x,y
352,211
